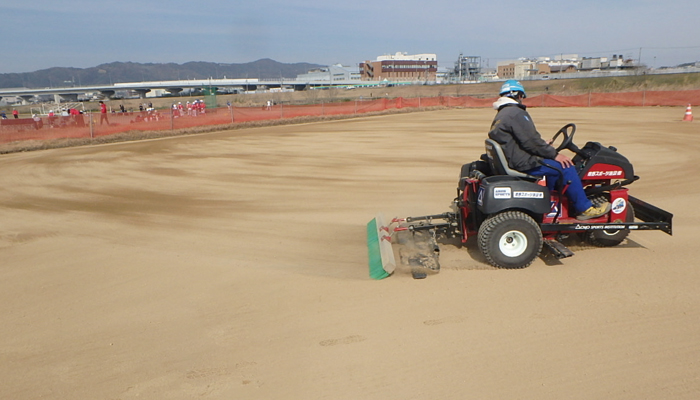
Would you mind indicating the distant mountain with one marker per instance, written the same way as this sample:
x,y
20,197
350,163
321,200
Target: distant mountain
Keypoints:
x,y
118,72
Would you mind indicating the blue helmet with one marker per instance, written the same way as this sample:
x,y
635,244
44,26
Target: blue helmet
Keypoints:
x,y
510,87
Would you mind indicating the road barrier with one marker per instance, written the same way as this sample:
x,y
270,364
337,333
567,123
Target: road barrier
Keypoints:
x,y
90,125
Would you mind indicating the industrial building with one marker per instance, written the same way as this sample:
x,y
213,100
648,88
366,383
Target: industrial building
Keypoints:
x,y
401,67
466,69
525,68
331,75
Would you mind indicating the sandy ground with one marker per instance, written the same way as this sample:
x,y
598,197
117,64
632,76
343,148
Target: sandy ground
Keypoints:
x,y
234,266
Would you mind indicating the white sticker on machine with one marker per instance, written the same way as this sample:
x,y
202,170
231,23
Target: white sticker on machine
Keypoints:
x,y
501,193
619,205
528,195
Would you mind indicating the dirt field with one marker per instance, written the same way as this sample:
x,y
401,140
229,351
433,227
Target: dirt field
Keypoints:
x,y
233,265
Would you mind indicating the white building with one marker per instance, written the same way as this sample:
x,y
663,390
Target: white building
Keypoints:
x,y
331,75
399,56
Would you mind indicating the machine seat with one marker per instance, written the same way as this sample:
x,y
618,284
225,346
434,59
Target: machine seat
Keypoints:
x,y
499,164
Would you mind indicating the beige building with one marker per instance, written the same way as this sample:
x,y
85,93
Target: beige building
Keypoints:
x,y
523,68
517,69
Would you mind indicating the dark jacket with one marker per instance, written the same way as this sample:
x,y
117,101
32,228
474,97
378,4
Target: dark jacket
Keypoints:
x,y
514,130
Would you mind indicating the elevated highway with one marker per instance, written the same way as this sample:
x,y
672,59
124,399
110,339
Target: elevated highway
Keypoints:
x,y
173,87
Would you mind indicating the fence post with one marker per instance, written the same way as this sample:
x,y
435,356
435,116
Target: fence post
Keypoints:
x,y
281,111
92,135
644,97
172,118
589,98
230,109
322,110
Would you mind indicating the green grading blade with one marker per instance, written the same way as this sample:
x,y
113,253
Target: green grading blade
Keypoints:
x,y
376,269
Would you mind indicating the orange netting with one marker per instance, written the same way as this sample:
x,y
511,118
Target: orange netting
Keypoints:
x,y
89,126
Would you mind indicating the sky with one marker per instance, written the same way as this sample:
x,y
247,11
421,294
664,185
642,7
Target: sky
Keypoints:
x,y
41,34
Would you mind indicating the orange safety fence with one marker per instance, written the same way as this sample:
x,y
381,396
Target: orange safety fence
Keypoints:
x,y
90,125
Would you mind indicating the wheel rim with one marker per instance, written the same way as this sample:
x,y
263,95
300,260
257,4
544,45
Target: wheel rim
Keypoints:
x,y
512,243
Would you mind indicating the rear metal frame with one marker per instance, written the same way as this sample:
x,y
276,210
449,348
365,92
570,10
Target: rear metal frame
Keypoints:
x,y
454,224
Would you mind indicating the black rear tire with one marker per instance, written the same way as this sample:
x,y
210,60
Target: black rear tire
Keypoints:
x,y
510,240
610,238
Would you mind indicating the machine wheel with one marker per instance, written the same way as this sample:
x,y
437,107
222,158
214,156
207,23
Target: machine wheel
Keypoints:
x,y
511,239
610,238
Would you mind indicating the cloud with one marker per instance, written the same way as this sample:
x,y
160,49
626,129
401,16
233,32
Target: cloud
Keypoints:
x,y
85,33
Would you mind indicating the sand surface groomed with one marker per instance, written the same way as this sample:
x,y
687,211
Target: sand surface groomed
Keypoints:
x,y
233,265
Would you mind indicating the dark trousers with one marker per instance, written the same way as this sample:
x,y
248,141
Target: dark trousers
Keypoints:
x,y
575,191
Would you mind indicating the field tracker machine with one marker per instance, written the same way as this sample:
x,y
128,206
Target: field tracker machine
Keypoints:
x,y
514,215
